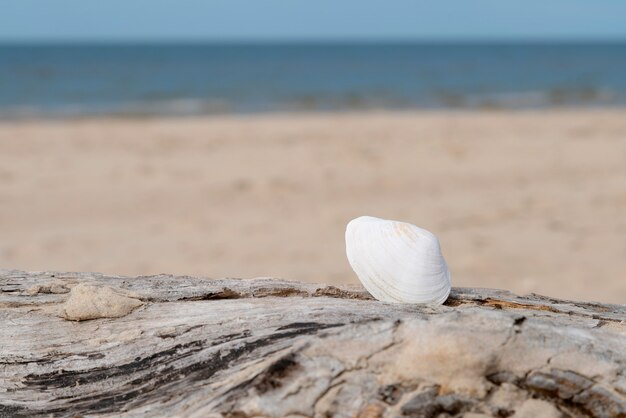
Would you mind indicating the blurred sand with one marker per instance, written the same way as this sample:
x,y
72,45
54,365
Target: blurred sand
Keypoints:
x,y
526,201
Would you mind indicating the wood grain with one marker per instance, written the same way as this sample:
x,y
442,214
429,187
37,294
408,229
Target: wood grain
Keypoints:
x,y
266,347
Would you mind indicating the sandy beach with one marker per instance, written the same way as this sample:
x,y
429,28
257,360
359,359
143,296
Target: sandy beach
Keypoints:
x,y
530,201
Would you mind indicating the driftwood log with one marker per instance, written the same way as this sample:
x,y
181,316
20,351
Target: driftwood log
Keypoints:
x,y
85,344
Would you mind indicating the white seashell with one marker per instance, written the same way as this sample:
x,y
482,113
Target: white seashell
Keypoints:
x,y
397,262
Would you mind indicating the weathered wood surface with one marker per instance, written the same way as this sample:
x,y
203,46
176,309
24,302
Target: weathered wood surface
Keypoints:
x,y
197,347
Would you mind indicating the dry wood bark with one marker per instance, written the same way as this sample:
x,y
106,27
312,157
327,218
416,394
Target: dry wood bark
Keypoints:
x,y
185,346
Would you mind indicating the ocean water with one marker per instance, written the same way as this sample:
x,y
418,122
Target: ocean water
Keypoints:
x,y
61,80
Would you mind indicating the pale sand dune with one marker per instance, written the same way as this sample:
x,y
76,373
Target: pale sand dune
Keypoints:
x,y
528,201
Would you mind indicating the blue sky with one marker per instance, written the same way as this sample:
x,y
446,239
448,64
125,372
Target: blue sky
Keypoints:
x,y
216,20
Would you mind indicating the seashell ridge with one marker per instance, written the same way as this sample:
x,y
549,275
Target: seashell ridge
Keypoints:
x,y
397,262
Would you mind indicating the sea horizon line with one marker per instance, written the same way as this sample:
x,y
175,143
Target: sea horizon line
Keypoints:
x,y
314,42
